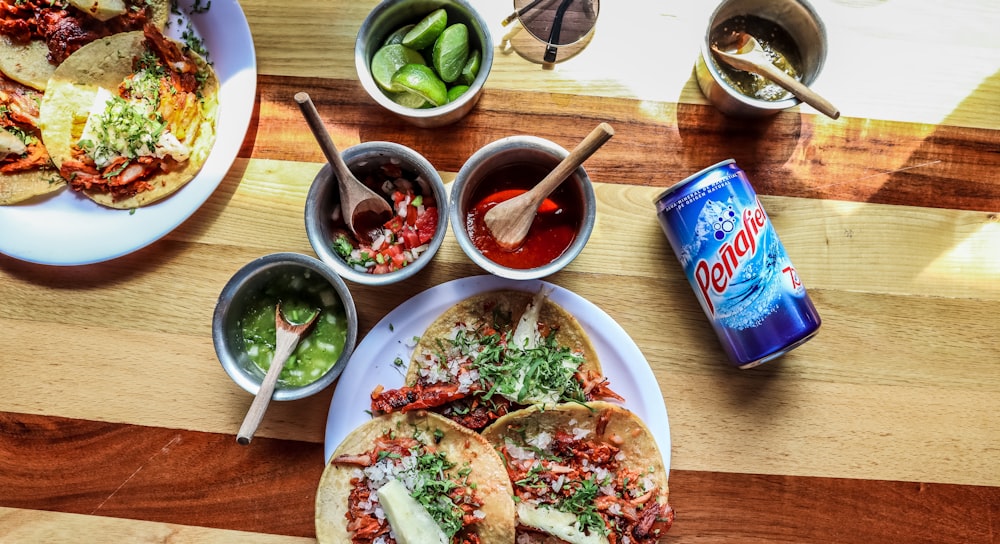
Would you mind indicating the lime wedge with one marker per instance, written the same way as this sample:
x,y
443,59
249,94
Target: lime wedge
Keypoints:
x,y
420,80
390,58
397,36
456,91
408,100
451,50
471,68
427,30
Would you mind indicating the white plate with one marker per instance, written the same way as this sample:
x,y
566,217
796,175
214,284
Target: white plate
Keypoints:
x,y
70,229
393,337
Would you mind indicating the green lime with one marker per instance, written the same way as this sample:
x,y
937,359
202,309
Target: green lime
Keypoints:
x,y
471,68
408,100
451,50
456,91
421,81
397,36
427,30
390,58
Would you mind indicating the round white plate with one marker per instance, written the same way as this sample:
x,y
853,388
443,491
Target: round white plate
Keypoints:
x,y
67,228
374,361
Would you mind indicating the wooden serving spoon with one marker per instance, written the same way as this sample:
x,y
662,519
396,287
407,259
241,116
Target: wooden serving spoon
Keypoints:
x,y
364,210
510,220
288,336
744,52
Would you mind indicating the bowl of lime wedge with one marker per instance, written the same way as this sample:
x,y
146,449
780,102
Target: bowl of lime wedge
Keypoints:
x,y
424,60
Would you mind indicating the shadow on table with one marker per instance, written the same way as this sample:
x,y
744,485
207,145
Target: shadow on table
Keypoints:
x,y
953,167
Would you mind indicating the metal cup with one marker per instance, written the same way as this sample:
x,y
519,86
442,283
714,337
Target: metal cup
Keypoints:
x,y
796,17
388,16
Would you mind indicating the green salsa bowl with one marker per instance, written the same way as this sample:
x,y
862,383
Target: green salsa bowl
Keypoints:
x,y
243,328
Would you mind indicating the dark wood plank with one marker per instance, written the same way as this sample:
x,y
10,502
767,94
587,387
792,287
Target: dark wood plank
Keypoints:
x,y
155,474
790,154
204,479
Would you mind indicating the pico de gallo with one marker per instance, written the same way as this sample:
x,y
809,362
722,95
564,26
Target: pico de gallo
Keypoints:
x,y
401,239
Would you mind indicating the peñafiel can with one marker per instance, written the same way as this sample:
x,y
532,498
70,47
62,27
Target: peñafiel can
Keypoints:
x,y
736,264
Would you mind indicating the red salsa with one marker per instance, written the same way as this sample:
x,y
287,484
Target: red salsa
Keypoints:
x,y
404,237
553,230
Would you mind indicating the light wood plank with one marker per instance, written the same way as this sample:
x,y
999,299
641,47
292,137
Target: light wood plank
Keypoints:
x,y
871,70
20,525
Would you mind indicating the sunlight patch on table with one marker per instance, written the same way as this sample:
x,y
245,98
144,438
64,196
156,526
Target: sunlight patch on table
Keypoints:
x,y
975,260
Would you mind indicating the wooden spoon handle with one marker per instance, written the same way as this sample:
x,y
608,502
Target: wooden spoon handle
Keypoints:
x,y
286,338
322,135
804,93
601,133
259,405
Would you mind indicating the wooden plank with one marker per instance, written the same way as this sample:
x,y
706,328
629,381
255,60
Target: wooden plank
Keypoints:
x,y
870,71
20,525
53,494
659,144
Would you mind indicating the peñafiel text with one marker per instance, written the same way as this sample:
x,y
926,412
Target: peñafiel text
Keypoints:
x,y
714,276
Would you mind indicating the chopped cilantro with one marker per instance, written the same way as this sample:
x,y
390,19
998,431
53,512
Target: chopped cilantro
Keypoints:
x,y
581,504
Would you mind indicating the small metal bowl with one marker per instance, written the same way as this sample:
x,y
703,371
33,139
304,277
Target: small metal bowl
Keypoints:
x,y
324,196
390,15
797,18
504,152
232,303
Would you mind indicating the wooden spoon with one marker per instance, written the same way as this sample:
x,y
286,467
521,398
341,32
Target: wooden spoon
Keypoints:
x,y
745,53
288,336
510,220
364,210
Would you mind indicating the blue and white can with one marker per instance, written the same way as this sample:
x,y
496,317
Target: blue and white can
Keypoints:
x,y
736,264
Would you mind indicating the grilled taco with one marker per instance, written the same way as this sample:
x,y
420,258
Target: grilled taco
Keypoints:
x,y
25,168
129,119
414,477
583,474
496,352
36,36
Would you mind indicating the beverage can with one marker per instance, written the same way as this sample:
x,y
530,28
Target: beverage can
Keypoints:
x,y
737,266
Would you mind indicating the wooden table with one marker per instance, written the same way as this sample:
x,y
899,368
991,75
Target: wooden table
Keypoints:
x,y
117,423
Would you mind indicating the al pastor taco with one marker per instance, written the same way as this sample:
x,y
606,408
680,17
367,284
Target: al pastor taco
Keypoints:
x,y
414,477
25,168
496,352
583,474
36,36
130,118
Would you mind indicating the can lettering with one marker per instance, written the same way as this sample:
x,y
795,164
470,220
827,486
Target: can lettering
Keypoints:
x,y
744,247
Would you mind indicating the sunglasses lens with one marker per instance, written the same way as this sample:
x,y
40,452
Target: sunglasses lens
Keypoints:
x,y
558,22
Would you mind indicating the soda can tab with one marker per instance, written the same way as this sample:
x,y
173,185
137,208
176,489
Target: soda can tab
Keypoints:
x,y
736,264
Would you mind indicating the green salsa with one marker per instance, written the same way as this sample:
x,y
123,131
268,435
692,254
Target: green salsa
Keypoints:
x,y
300,294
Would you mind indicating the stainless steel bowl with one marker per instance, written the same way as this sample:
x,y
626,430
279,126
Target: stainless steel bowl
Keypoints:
x,y
796,17
232,303
390,15
324,196
503,152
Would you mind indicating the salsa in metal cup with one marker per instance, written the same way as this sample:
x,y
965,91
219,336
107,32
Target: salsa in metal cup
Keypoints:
x,y
553,230
301,293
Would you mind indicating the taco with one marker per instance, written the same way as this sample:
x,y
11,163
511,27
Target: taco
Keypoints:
x,y
25,168
583,474
36,36
398,477
129,119
496,352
